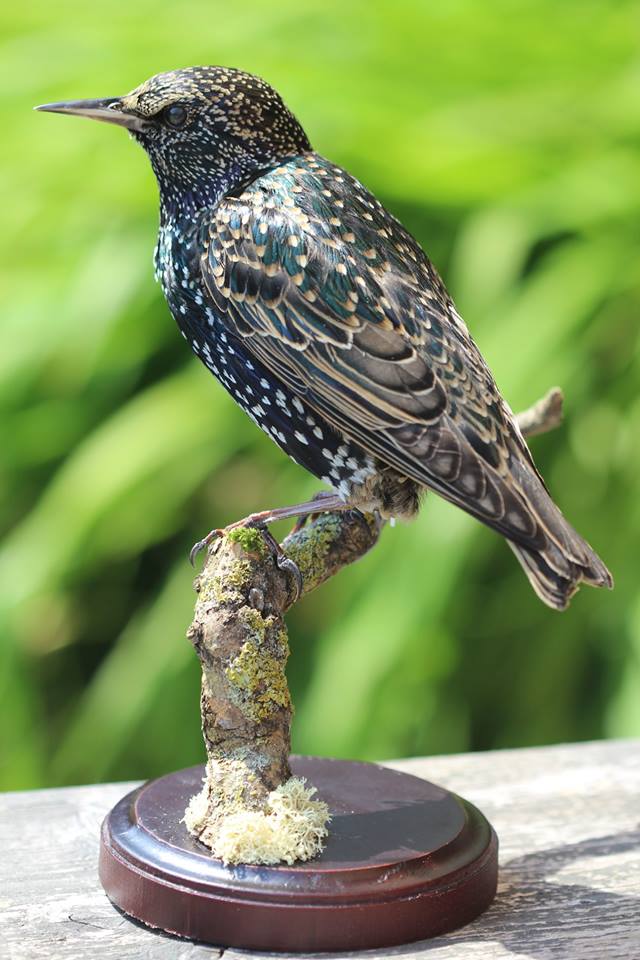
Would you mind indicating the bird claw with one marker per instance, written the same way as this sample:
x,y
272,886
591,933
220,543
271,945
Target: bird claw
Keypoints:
x,y
283,562
289,566
203,544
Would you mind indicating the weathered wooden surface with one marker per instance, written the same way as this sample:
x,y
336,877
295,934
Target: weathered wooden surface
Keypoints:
x,y
568,818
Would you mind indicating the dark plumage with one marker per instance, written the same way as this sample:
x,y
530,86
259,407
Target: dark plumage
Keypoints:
x,y
327,323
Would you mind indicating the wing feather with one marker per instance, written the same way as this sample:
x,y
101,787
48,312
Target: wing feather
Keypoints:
x,y
343,307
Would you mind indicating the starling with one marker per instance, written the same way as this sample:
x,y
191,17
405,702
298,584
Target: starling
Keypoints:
x,y
324,319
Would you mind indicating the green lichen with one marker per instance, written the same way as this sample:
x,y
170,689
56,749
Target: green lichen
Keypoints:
x,y
260,681
227,589
212,588
249,538
238,575
282,641
256,622
310,549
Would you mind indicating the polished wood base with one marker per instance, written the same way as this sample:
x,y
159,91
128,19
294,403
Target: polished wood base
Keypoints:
x,y
405,860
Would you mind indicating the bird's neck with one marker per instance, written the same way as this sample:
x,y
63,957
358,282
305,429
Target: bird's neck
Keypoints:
x,y
183,206
183,200
186,207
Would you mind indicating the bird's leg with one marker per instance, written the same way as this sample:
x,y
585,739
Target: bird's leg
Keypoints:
x,y
327,500
316,498
330,501
283,562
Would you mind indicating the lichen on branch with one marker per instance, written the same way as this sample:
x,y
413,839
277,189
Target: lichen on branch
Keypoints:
x,y
239,634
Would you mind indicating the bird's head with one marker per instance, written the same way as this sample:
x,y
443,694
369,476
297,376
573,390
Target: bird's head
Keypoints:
x,y
207,130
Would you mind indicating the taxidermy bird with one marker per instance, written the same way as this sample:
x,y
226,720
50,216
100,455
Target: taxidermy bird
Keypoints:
x,y
324,319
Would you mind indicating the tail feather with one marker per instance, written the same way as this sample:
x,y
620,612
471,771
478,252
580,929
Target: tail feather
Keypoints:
x,y
557,569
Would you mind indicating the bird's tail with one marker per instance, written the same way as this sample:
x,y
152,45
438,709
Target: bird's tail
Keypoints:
x,y
557,569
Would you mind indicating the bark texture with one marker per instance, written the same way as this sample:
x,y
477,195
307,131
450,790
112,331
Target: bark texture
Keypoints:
x,y
239,634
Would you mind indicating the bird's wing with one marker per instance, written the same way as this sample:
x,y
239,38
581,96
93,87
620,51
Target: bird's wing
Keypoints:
x,y
341,304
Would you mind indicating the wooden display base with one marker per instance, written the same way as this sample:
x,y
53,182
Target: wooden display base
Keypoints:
x,y
405,860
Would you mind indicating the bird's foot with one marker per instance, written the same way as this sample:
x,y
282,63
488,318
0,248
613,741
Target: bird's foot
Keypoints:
x,y
317,499
325,500
283,562
201,545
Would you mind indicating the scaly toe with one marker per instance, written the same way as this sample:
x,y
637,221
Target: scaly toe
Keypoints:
x,y
287,564
203,544
283,562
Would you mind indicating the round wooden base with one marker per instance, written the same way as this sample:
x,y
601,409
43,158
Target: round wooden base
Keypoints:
x,y
405,860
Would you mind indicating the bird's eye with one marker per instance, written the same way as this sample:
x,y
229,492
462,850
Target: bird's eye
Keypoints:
x,y
175,115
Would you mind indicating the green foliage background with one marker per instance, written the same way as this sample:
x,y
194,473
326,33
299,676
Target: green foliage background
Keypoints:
x,y
505,134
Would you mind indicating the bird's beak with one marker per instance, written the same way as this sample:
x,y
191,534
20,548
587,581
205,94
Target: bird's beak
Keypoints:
x,y
109,111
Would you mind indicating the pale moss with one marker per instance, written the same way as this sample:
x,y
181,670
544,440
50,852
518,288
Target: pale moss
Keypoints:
x,y
229,786
292,828
195,815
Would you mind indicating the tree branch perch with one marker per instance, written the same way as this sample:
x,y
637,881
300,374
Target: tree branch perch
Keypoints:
x,y
250,809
